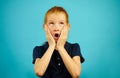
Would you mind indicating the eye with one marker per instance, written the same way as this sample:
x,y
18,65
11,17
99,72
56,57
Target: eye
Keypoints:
x,y
61,23
51,23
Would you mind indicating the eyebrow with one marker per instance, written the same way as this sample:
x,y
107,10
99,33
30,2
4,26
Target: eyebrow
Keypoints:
x,y
50,20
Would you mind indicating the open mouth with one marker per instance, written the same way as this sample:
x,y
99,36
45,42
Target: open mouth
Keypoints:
x,y
56,35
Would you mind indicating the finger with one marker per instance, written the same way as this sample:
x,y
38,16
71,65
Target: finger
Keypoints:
x,y
65,30
64,33
46,30
49,35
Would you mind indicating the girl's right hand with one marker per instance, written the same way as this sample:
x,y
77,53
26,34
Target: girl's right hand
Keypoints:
x,y
49,37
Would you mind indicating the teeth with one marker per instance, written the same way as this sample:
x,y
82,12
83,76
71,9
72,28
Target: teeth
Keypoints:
x,y
56,35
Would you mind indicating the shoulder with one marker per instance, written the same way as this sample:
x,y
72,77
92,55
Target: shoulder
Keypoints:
x,y
41,47
72,45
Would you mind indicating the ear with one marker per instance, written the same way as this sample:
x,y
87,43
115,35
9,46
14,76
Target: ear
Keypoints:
x,y
44,26
68,26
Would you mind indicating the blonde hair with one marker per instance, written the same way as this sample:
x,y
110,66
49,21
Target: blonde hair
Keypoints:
x,y
55,9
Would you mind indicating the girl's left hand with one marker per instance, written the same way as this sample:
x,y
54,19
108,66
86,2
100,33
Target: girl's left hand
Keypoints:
x,y
62,39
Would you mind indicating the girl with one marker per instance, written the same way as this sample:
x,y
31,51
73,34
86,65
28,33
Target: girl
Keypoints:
x,y
57,58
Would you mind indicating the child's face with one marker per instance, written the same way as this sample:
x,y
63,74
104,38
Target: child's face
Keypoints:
x,y
55,23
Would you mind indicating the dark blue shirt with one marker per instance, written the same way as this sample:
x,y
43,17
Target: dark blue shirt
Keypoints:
x,y
56,67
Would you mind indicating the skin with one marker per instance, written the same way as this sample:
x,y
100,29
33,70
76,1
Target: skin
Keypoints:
x,y
56,23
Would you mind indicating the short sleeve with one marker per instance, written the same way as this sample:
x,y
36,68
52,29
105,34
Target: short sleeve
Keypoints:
x,y
37,53
77,52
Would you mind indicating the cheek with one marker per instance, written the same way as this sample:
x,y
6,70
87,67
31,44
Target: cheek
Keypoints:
x,y
61,28
51,30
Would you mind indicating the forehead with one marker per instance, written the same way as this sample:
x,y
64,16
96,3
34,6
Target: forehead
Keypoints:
x,y
56,16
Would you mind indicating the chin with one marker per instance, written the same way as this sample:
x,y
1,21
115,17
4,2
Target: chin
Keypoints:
x,y
56,41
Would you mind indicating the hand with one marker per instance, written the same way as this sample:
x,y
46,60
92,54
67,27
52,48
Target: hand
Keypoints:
x,y
62,39
49,37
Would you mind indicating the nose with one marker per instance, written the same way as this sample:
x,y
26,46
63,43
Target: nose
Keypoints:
x,y
56,27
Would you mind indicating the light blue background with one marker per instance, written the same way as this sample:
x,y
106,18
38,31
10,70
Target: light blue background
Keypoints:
x,y
95,25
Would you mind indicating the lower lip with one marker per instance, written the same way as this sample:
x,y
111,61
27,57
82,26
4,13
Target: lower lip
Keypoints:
x,y
56,38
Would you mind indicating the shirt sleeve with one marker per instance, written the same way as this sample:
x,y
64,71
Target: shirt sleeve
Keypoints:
x,y
76,51
37,53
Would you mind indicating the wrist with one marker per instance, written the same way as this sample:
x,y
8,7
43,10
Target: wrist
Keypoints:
x,y
50,49
60,48
52,46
